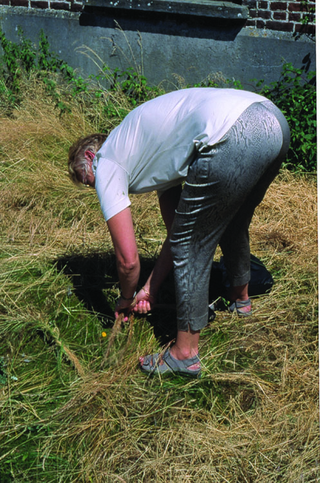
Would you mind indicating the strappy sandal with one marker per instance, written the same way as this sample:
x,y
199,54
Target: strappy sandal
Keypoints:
x,y
151,365
239,305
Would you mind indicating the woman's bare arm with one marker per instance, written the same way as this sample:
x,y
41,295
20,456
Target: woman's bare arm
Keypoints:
x,y
128,263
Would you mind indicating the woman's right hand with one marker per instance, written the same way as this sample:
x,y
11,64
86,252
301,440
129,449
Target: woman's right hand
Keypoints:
x,y
145,302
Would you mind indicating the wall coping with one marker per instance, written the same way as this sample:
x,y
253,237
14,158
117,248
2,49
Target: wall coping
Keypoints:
x,y
205,8
38,12
65,14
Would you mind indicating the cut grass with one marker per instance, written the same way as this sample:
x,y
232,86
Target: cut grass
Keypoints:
x,y
74,406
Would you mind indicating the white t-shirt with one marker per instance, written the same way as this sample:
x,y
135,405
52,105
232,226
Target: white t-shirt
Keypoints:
x,y
154,145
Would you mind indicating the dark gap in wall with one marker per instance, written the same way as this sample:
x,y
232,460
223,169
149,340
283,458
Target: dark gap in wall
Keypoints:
x,y
162,23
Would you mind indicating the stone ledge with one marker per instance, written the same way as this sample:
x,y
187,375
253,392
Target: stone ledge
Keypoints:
x,y
204,8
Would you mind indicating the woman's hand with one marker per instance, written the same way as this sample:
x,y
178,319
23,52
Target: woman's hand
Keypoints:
x,y
144,301
125,307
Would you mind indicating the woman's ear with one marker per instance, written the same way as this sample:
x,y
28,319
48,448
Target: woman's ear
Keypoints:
x,y
89,155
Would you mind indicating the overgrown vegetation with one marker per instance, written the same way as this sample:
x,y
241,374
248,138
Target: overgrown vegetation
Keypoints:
x,y
294,93
74,407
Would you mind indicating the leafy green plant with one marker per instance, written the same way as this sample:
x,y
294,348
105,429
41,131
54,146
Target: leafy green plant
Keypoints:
x,y
134,85
218,80
295,95
20,60
129,82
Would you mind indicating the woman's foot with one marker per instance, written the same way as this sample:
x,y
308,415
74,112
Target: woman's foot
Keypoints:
x,y
239,300
241,307
166,363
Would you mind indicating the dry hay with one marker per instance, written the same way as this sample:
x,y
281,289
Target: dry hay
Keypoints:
x,y
286,220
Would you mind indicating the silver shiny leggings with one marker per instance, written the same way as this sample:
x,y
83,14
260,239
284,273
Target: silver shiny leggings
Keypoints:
x,y
225,183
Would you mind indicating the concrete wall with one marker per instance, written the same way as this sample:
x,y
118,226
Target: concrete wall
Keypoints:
x,y
172,49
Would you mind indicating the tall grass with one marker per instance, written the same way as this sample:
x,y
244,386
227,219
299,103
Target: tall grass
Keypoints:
x,y
74,406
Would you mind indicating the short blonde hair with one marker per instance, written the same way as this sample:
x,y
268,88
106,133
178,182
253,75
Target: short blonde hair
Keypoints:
x,y
77,161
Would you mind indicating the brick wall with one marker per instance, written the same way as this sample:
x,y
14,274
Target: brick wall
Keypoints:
x,y
281,15
69,5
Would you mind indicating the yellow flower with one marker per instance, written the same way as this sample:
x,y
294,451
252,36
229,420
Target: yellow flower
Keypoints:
x,y
104,334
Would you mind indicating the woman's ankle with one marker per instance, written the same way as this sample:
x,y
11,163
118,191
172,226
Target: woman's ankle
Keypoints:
x,y
183,353
239,293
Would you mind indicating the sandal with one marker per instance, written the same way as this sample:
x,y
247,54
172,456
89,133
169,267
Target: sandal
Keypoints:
x,y
151,365
239,305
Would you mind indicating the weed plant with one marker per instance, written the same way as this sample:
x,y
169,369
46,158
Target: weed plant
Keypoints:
x,y
74,406
295,95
